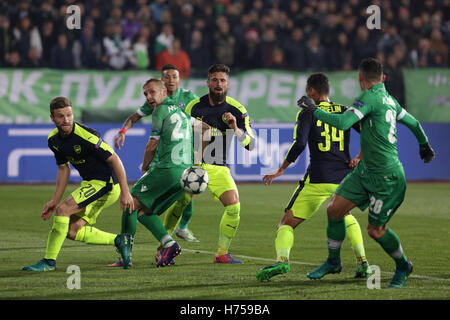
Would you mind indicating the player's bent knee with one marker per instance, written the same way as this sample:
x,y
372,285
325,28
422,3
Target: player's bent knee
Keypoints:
x,y
289,219
376,232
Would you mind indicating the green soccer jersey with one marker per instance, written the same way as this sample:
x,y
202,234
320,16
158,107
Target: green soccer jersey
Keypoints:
x,y
172,127
378,113
180,98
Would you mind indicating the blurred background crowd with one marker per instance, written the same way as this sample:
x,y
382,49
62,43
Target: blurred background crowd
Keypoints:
x,y
298,35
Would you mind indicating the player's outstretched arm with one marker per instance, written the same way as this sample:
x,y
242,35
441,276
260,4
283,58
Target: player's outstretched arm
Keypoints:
x,y
149,154
126,200
425,151
268,178
128,124
62,178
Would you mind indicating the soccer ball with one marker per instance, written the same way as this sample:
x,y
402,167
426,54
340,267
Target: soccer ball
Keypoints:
x,y
194,179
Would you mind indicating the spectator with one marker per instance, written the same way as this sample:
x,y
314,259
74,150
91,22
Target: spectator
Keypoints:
x,y
438,45
199,53
362,47
29,43
62,57
224,44
140,58
184,25
394,79
389,39
250,55
176,56
157,8
164,39
117,49
48,41
7,40
295,52
315,53
277,60
90,46
422,57
130,27
269,42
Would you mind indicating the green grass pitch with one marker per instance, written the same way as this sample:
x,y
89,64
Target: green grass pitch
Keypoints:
x,y
422,223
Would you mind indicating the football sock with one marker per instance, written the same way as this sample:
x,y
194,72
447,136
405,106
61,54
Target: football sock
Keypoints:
x,y
354,235
228,227
154,224
56,237
284,242
390,242
173,214
186,216
335,237
92,235
129,222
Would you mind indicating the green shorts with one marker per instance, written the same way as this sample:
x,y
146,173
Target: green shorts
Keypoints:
x,y
220,180
95,195
382,193
159,188
308,197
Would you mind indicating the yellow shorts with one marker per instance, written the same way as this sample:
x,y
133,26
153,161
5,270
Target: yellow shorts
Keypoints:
x,y
220,180
308,197
95,195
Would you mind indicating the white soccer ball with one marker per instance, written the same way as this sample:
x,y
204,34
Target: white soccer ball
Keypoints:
x,y
194,179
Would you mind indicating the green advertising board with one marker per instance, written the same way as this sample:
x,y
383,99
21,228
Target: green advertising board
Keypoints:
x,y
269,96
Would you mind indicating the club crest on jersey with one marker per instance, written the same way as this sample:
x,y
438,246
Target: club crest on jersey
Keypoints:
x,y
358,103
77,148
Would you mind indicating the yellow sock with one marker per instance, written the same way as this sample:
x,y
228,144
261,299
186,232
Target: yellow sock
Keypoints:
x,y
172,216
228,227
284,242
56,237
353,232
92,235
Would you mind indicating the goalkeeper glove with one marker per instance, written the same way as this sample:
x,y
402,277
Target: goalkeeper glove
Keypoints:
x,y
307,103
426,152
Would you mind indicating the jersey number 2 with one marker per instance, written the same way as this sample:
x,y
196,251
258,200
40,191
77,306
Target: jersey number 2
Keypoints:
x,y
336,136
178,121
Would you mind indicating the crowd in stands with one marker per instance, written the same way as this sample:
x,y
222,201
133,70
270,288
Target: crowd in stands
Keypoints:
x,y
299,35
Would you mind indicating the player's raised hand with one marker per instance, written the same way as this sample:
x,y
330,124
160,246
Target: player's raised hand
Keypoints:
x,y
48,209
120,139
230,120
426,152
306,103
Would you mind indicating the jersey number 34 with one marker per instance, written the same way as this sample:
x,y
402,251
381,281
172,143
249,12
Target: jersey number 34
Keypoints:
x,y
335,136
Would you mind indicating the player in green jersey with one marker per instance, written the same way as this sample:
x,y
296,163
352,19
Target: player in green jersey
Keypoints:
x,y
104,180
378,181
330,163
179,97
159,187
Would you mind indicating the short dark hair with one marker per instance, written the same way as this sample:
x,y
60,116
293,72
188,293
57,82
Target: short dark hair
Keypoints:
x,y
218,67
159,81
58,103
371,69
319,82
168,67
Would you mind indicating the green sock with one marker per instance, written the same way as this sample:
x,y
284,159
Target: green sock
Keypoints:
x,y
228,227
92,235
129,222
173,214
284,242
154,224
335,237
390,242
56,236
186,216
354,235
